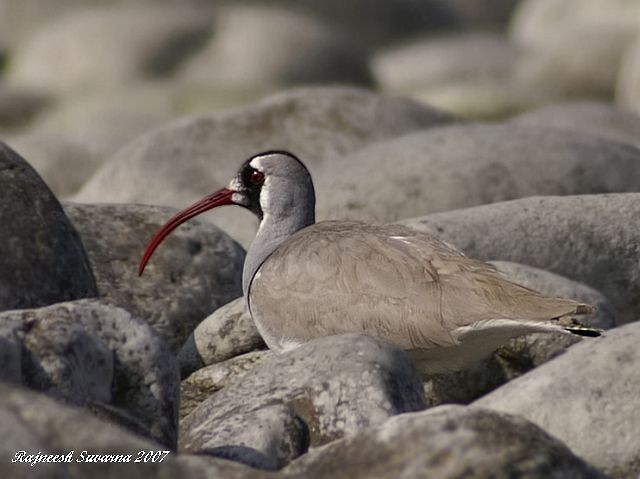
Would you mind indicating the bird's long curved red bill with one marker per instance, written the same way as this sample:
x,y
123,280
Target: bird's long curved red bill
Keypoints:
x,y
219,198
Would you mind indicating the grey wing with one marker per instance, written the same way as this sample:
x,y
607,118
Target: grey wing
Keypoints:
x,y
390,281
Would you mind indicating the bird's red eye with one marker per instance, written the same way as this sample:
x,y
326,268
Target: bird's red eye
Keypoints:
x,y
257,177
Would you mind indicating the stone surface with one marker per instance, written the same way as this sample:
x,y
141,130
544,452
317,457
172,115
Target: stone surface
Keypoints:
x,y
122,44
586,398
448,441
464,165
226,333
432,62
254,45
35,423
319,125
597,118
197,269
316,393
210,379
591,238
95,355
43,260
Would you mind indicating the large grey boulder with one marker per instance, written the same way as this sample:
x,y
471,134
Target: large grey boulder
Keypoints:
x,y
253,45
322,390
587,398
465,165
598,118
121,43
189,158
98,356
43,260
35,423
447,442
592,239
228,332
195,271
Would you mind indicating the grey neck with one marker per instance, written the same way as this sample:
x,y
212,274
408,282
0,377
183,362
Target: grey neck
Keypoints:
x,y
283,214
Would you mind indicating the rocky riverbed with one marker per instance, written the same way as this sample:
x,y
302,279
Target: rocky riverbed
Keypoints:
x,y
510,129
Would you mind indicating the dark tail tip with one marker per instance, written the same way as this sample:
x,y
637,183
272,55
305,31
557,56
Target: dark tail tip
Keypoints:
x,y
584,331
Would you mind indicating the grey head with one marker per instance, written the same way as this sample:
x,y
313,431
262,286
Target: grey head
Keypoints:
x,y
276,187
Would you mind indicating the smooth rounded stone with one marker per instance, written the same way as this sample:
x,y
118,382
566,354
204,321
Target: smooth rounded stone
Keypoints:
x,y
590,238
36,423
320,125
198,270
597,118
43,260
447,441
64,161
87,352
575,62
436,61
19,105
322,390
465,165
210,379
260,45
483,99
628,87
587,398
535,21
122,43
228,332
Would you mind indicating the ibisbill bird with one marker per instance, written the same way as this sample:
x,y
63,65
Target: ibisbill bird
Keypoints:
x,y
303,279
